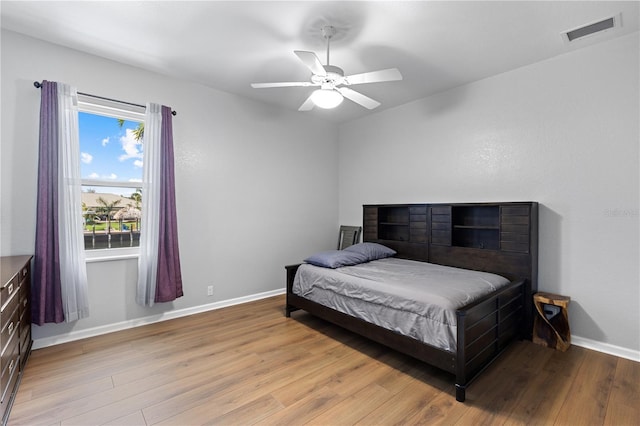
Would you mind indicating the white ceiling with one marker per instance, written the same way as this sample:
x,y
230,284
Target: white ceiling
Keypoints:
x,y
436,45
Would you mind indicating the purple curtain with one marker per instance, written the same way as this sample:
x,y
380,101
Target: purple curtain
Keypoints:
x,y
46,304
169,280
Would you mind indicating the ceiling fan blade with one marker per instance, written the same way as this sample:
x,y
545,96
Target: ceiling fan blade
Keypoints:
x,y
307,105
358,98
391,74
311,61
283,84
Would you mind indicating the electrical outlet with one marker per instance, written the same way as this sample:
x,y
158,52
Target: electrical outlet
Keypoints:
x,y
210,290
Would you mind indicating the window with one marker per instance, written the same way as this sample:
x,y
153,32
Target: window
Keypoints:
x,y
111,159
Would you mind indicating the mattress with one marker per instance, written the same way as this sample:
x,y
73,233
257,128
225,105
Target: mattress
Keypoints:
x,y
415,299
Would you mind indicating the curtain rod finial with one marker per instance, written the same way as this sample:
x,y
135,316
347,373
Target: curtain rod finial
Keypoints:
x,y
37,84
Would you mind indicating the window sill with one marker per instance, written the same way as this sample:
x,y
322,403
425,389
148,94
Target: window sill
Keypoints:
x,y
93,256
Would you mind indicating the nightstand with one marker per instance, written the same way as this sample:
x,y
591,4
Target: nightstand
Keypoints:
x,y
551,322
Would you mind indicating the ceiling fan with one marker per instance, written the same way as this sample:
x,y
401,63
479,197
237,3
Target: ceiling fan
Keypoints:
x,y
332,81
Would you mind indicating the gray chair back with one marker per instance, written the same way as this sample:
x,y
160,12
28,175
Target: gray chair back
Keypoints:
x,y
349,235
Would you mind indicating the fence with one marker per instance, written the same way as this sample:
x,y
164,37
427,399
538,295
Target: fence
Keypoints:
x,y
113,239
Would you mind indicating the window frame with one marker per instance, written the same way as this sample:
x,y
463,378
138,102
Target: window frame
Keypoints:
x,y
117,110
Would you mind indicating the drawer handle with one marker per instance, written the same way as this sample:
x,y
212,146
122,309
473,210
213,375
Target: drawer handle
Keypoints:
x,y
24,303
24,272
11,367
10,327
10,289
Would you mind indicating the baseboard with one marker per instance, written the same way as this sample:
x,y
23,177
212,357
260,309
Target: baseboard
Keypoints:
x,y
606,348
124,325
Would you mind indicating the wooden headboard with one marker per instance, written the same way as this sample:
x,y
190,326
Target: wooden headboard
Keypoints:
x,y
501,238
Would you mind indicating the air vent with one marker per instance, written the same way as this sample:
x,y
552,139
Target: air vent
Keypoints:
x,y
591,29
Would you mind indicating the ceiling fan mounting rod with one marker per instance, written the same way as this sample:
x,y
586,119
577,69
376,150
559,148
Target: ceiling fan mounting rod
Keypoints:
x,y
328,31
328,41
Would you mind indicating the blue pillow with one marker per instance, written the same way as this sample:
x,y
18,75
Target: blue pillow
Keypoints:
x,y
336,258
372,251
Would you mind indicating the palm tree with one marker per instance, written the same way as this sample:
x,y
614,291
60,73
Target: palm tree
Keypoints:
x,y
138,132
137,197
88,214
106,208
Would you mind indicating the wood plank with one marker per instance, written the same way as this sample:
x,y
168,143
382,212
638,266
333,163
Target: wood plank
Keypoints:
x,y
304,410
493,396
134,419
247,413
51,397
544,395
593,382
624,402
402,405
354,407
441,410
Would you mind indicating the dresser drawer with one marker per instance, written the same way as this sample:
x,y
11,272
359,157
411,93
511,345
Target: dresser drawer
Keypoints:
x,y
9,305
8,390
10,325
8,290
9,364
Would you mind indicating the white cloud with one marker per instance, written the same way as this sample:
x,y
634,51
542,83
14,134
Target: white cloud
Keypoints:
x,y
105,141
94,175
130,146
137,163
135,180
86,157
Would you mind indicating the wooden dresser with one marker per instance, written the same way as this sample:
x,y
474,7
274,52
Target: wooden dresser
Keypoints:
x,y
15,326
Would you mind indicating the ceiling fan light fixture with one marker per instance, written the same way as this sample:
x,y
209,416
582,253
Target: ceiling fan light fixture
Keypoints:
x,y
326,98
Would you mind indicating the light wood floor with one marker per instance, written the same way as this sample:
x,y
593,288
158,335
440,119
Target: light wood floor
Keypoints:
x,y
248,364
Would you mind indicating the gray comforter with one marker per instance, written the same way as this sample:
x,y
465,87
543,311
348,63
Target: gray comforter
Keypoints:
x,y
416,299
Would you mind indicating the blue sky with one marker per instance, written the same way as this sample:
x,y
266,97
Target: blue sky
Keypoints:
x,y
108,151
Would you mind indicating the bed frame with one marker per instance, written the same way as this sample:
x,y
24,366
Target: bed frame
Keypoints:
x,y
501,238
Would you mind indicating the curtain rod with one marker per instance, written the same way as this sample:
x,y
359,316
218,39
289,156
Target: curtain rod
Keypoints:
x,y
38,85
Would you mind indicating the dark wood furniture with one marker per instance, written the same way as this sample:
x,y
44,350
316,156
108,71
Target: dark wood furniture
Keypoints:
x,y
501,238
15,326
551,326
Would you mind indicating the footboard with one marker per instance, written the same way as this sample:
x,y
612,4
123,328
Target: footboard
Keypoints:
x,y
291,274
484,330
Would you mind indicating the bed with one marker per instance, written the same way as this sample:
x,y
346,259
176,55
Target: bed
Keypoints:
x,y
487,283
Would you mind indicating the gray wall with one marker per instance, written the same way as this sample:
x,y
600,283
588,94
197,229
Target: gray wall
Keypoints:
x,y
247,179
563,132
